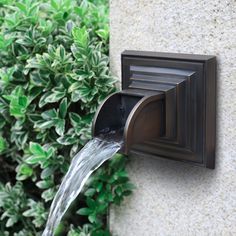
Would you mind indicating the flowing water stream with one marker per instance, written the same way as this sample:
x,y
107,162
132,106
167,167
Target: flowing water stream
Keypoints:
x,y
94,153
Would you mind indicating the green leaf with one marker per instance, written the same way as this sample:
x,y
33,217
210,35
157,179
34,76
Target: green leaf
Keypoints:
x,y
74,86
127,193
102,33
63,108
54,5
45,124
22,7
34,160
61,52
49,114
119,191
5,42
84,211
99,186
39,80
91,203
60,127
67,140
3,144
37,150
44,184
122,173
93,218
26,170
52,97
102,208
55,96
39,154
2,121
36,211
48,194
75,96
34,92
11,221
80,36
128,186
75,118
47,172
18,102
50,152
90,192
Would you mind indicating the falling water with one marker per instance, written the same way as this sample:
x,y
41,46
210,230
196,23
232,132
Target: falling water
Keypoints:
x,y
94,153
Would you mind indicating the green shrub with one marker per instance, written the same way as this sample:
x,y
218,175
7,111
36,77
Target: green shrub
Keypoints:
x,y
54,71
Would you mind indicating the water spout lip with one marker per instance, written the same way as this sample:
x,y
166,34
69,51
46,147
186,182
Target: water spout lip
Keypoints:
x,y
98,111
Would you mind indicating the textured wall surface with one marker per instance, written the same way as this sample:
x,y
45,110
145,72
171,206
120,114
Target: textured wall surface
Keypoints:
x,y
172,198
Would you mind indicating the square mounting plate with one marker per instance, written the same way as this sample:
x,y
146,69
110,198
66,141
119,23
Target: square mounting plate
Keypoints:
x,y
189,84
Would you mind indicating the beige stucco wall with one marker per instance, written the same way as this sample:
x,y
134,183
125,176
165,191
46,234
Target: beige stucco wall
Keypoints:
x,y
172,198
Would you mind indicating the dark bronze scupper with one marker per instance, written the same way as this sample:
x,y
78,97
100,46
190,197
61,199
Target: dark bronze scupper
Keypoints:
x,y
166,107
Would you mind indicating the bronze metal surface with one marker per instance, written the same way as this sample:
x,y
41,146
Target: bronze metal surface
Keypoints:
x,y
166,107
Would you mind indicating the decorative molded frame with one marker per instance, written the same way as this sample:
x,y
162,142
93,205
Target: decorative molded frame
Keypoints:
x,y
189,84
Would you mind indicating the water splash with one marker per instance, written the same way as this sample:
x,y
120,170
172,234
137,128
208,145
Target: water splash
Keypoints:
x,y
93,155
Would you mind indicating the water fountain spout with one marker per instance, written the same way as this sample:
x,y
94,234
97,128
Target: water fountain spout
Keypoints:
x,y
166,107
138,115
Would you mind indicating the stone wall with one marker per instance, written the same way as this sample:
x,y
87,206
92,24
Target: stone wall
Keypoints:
x,y
174,198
